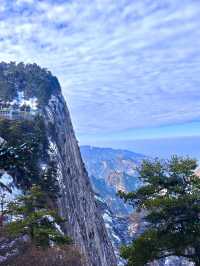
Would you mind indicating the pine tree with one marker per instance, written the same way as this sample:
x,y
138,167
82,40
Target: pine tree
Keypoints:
x,y
33,218
170,199
20,161
49,182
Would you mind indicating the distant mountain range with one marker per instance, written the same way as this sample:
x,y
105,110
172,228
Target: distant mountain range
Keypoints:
x,y
112,170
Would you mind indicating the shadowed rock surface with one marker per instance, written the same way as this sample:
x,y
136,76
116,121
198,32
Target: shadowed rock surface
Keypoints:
x,y
77,203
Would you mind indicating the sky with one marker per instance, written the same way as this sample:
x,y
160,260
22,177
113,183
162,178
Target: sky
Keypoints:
x,y
129,69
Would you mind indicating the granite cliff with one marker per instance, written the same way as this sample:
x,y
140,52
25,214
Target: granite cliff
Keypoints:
x,y
24,85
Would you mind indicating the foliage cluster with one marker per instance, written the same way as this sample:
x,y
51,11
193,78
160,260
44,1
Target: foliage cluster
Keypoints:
x,y
170,199
33,217
32,79
23,151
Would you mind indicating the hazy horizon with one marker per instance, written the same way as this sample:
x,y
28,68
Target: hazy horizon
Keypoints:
x,y
163,147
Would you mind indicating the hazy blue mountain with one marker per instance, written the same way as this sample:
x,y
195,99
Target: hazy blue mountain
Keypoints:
x,y
112,170
158,147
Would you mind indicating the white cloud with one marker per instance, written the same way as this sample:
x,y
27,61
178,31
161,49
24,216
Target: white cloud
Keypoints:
x,y
122,64
21,2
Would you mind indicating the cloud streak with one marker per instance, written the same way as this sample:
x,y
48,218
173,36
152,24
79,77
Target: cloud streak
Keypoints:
x,y
122,64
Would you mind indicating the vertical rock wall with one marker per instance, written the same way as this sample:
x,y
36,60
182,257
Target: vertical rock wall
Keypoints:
x,y
77,204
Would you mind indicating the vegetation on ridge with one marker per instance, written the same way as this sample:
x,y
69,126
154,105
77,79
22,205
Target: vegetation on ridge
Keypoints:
x,y
24,151
33,80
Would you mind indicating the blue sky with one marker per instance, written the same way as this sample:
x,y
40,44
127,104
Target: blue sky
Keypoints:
x,y
129,69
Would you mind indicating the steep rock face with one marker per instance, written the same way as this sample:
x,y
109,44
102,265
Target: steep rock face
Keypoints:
x,y
27,84
77,204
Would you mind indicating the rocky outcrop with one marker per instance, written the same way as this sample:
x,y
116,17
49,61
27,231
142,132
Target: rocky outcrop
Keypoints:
x,y
10,248
117,228
84,222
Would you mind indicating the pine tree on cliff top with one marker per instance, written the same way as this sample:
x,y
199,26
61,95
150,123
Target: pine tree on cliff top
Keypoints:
x,y
170,199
